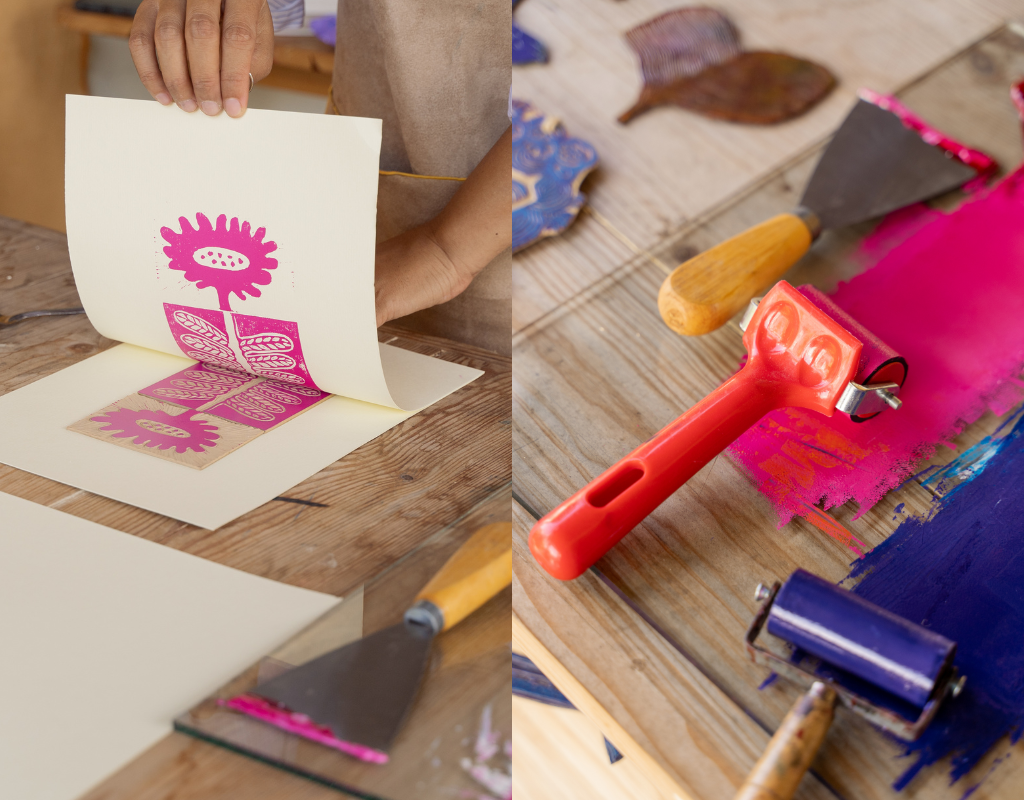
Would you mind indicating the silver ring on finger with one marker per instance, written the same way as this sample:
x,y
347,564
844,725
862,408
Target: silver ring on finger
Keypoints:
x,y
251,82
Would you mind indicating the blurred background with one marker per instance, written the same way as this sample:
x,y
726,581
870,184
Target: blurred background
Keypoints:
x,y
50,48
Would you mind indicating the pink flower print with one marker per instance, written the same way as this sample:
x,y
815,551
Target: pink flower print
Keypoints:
x,y
159,429
226,258
196,386
271,348
267,404
202,334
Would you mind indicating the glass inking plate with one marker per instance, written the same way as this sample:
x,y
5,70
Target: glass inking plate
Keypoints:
x,y
456,741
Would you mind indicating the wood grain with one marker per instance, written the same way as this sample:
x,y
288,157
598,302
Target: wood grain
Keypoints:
x,y
600,374
384,511
469,669
581,769
40,63
669,167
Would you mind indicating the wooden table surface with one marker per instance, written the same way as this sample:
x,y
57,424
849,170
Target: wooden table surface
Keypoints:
x,y
392,510
596,374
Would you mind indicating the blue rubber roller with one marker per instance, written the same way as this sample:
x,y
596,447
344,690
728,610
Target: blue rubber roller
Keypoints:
x,y
857,636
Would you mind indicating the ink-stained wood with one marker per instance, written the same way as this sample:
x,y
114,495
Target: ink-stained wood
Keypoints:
x,y
379,512
669,167
600,374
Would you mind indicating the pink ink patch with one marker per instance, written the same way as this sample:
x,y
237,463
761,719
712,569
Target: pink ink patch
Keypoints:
x,y
197,385
267,404
202,334
949,299
300,725
159,429
271,348
227,258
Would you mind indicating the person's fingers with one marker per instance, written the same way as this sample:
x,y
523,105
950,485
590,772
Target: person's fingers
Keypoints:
x,y
143,49
238,43
169,39
263,58
202,39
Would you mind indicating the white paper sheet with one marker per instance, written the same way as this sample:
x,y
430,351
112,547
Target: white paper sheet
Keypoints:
x,y
108,637
139,177
33,421
134,170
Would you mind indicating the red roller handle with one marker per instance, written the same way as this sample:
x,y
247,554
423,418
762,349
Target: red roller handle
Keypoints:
x,y
583,528
798,357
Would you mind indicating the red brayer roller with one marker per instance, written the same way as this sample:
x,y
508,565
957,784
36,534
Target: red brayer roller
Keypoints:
x,y
804,351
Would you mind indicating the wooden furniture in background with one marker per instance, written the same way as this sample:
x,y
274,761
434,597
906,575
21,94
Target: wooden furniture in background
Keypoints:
x,y
301,63
386,516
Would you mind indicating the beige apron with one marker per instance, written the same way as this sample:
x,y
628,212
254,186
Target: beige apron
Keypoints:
x,y
437,72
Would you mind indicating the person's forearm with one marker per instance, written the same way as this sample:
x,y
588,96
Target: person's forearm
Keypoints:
x,y
436,261
476,225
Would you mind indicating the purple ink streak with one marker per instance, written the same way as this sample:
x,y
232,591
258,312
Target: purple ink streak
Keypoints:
x,y
961,573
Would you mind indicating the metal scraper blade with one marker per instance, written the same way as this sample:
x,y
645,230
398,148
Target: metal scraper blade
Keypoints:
x,y
362,691
874,165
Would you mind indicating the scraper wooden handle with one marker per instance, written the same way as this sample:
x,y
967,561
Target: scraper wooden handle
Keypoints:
x,y
792,749
477,571
704,293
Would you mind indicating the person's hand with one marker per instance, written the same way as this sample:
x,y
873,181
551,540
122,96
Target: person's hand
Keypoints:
x,y
437,261
414,272
199,53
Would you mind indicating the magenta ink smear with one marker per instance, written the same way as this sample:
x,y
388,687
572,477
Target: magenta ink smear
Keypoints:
x,y
941,297
302,725
960,573
231,259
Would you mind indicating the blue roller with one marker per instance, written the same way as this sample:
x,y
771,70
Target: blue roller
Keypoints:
x,y
855,635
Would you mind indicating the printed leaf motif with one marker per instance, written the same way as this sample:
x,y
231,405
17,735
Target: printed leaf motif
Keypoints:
x,y
287,377
200,326
205,345
265,343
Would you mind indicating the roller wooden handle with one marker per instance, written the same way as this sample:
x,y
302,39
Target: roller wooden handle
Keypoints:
x,y
793,747
477,571
704,293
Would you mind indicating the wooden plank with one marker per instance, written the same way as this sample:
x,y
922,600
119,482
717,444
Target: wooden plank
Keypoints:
x,y
94,22
611,665
601,374
669,166
194,770
581,768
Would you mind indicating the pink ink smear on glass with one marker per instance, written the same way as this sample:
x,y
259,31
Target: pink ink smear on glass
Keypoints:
x,y
949,297
227,258
301,725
